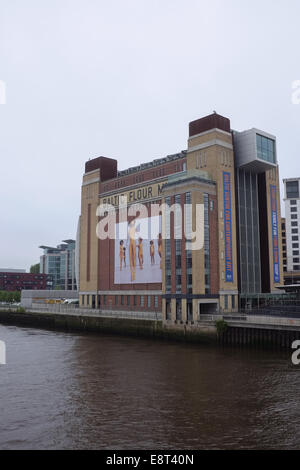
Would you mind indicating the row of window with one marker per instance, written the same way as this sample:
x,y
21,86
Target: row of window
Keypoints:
x,y
13,276
206,244
141,300
178,245
178,251
179,166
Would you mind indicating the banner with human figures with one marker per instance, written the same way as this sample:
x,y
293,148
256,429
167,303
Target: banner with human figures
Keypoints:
x,y
138,251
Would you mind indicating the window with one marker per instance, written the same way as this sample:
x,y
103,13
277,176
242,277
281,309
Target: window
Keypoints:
x,y
293,202
226,302
142,301
292,189
116,300
134,300
296,253
128,299
295,245
178,259
294,230
149,301
122,299
296,260
265,148
104,300
295,239
293,209
88,300
156,301
233,301
294,216
294,224
82,299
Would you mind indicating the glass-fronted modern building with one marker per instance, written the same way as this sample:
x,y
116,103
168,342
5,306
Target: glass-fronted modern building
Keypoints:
x,y
60,263
255,161
256,190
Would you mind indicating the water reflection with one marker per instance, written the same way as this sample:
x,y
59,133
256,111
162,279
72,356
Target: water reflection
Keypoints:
x,y
88,391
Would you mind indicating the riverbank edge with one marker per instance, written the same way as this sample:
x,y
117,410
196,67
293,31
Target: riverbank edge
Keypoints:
x,y
155,329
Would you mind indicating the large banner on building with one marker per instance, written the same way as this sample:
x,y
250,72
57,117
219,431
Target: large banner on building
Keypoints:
x,y
227,227
275,238
138,251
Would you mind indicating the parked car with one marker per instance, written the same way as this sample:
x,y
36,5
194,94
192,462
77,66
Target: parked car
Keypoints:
x,y
71,302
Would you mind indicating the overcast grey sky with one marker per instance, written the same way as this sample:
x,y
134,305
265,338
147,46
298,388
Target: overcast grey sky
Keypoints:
x,y
123,78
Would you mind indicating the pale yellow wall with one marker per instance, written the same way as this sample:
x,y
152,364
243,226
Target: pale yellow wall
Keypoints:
x,y
184,310
208,136
198,271
89,195
215,159
173,309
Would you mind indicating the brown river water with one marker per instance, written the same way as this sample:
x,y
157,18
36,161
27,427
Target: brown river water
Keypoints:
x,y
83,391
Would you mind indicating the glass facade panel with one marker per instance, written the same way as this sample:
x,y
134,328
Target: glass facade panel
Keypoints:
x,y
265,149
249,237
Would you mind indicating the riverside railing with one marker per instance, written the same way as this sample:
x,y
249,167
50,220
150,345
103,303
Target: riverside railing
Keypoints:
x,y
75,310
238,320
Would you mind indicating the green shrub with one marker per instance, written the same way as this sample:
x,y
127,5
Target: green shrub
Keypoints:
x,y
221,326
10,297
21,310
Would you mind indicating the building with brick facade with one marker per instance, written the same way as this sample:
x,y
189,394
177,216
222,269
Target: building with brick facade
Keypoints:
x,y
17,279
213,245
